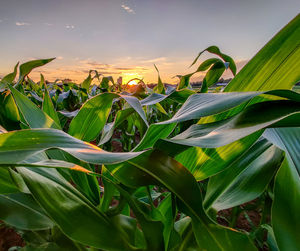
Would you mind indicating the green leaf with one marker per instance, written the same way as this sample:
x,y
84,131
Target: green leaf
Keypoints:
x,y
6,182
10,110
215,50
168,210
208,63
63,203
275,65
48,106
154,132
27,67
184,228
154,166
34,116
87,184
285,209
184,81
205,162
286,206
201,105
109,128
206,104
152,228
9,78
136,105
271,238
105,82
93,115
109,189
250,120
213,75
18,145
122,115
159,88
87,82
21,211
52,163
215,237
180,96
245,179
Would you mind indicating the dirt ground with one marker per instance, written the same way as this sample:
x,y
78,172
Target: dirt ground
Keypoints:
x,y
9,238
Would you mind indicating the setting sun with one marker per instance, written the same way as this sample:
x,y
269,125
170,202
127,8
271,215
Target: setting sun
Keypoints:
x,y
131,78
132,82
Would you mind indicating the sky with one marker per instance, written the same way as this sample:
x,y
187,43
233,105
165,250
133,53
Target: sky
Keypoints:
x,y
125,38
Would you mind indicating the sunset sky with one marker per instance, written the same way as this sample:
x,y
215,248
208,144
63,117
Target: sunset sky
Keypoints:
x,y
126,38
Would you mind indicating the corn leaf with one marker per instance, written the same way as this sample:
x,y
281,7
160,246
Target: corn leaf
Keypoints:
x,y
27,67
287,188
48,106
9,78
34,116
245,179
75,215
21,211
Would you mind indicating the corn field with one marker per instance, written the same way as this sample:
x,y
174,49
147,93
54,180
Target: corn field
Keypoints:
x,y
107,167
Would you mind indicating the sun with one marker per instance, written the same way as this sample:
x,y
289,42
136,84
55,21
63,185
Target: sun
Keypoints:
x,y
131,78
132,82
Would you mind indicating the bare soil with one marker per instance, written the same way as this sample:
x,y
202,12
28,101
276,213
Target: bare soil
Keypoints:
x,y
9,238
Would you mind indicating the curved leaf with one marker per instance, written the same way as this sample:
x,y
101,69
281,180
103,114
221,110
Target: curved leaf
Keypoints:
x,y
92,116
272,68
74,214
250,120
21,211
215,50
6,182
165,170
9,78
27,67
245,179
18,145
48,106
34,116
286,206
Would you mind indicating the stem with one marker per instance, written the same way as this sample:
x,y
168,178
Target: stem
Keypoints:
x,y
150,197
234,216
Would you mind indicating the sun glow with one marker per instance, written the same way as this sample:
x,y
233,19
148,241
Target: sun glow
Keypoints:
x,y
132,82
131,78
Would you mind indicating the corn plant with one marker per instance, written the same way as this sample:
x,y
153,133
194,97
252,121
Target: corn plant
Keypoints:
x,y
186,156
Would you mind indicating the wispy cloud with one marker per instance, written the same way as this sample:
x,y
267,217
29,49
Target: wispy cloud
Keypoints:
x,y
22,23
154,60
241,63
90,63
128,9
59,58
135,68
48,24
1,20
113,69
69,26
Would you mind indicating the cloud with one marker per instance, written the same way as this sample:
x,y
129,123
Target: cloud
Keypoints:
x,y
126,68
69,26
241,63
154,60
59,58
22,23
128,9
95,64
48,24
109,67
1,21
